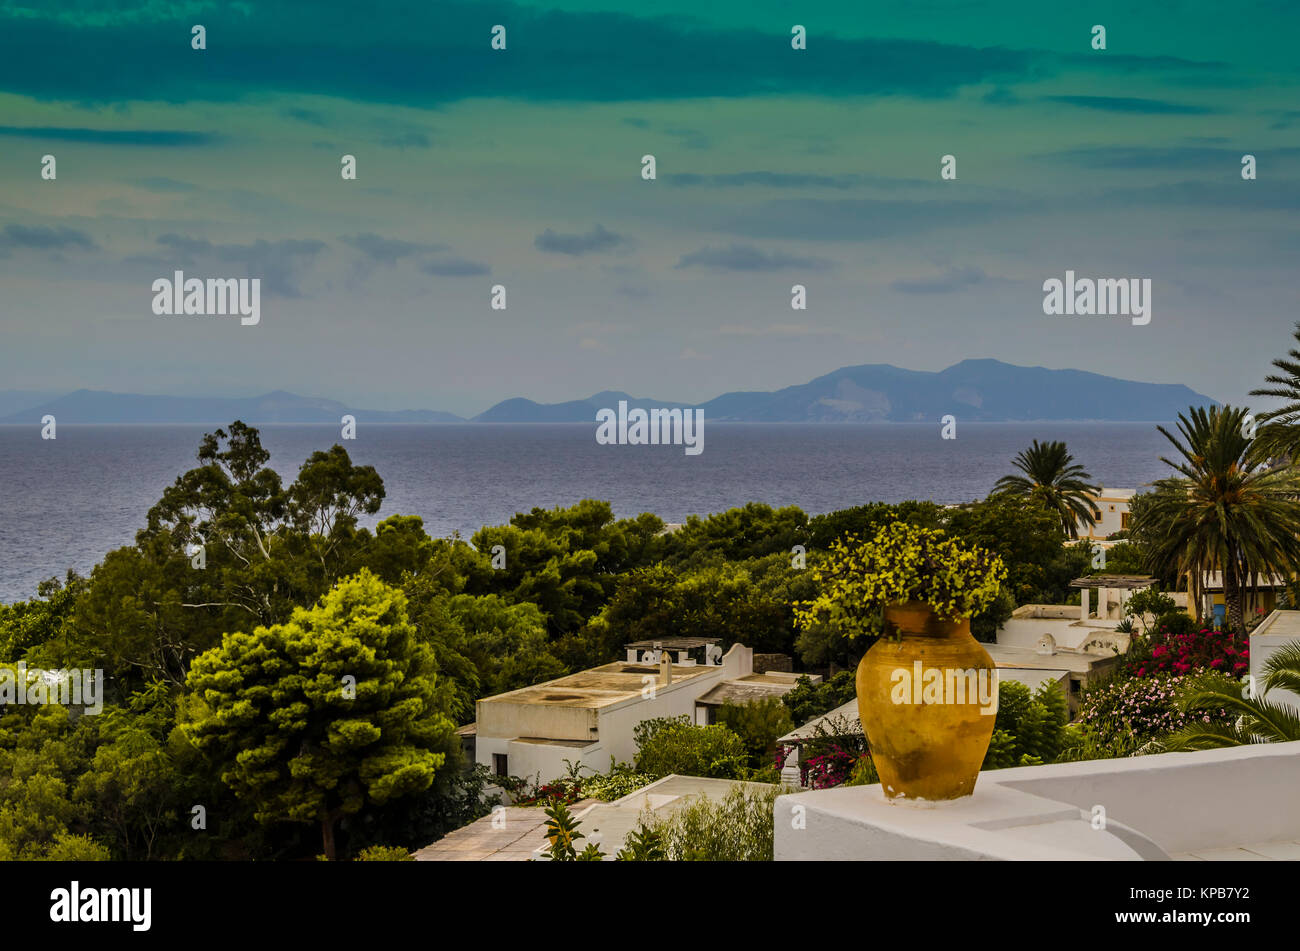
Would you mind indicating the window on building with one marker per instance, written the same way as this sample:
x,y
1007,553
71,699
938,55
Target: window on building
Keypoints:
x,y
1123,519
500,764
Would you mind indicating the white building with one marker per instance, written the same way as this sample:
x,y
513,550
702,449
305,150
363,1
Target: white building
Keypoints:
x,y
590,716
1114,507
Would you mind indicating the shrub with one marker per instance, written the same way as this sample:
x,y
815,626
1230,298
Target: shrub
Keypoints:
x,y
678,746
737,828
621,780
808,700
643,844
1030,727
830,754
384,853
562,835
1175,622
1172,650
759,724
864,772
1125,712
900,563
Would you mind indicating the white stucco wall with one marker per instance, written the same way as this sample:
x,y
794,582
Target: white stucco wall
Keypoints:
x,y
500,724
1262,647
1242,795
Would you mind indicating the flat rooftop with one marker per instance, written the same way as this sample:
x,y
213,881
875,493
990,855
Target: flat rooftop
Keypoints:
x,y
597,687
1126,582
1028,658
774,683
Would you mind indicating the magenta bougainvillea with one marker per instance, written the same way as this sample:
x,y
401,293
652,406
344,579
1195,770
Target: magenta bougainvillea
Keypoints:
x,y
1181,654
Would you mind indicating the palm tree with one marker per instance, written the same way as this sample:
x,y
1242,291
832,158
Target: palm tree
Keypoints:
x,y
1052,477
1225,509
1281,435
1258,720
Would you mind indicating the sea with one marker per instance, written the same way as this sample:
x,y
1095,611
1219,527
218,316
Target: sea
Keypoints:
x,y
66,502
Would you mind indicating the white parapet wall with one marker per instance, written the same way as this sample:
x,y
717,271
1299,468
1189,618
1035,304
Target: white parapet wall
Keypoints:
x,y
1170,805
1277,630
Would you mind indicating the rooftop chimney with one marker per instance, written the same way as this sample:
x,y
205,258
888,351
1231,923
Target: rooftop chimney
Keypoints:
x,y
665,668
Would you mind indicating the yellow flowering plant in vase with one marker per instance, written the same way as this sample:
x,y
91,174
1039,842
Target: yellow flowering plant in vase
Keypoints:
x,y
901,563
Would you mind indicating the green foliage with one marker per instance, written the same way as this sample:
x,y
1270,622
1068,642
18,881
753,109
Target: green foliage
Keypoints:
x,y
1021,531
621,780
1126,558
283,723
562,834
808,700
759,724
901,563
1150,601
1030,727
864,772
1051,477
736,828
27,624
1250,718
384,853
1225,509
674,745
751,531
643,844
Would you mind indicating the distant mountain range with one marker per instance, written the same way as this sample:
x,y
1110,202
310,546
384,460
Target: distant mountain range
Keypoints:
x,y
97,406
973,390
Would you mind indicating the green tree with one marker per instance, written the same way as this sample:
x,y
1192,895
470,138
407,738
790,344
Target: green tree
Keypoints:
x,y
314,719
808,700
1051,476
1226,509
1148,601
865,520
227,546
675,745
45,618
753,530
759,724
1030,726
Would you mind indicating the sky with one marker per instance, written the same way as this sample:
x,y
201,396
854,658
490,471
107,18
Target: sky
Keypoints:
x,y
522,168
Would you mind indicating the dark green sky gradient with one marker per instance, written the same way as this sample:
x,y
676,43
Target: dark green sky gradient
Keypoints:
x,y
775,167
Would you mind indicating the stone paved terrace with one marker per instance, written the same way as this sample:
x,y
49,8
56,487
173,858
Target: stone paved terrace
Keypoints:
x,y
523,834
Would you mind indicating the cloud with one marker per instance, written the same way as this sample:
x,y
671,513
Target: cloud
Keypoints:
x,y
598,239
1131,156
1132,104
309,116
743,257
842,219
387,250
954,279
1001,96
422,55
765,179
455,267
277,263
41,238
159,183
690,138
150,137
407,140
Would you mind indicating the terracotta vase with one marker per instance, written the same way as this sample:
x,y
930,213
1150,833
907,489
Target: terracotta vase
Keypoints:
x,y
928,732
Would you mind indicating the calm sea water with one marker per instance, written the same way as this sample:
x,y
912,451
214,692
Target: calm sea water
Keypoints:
x,y
65,502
